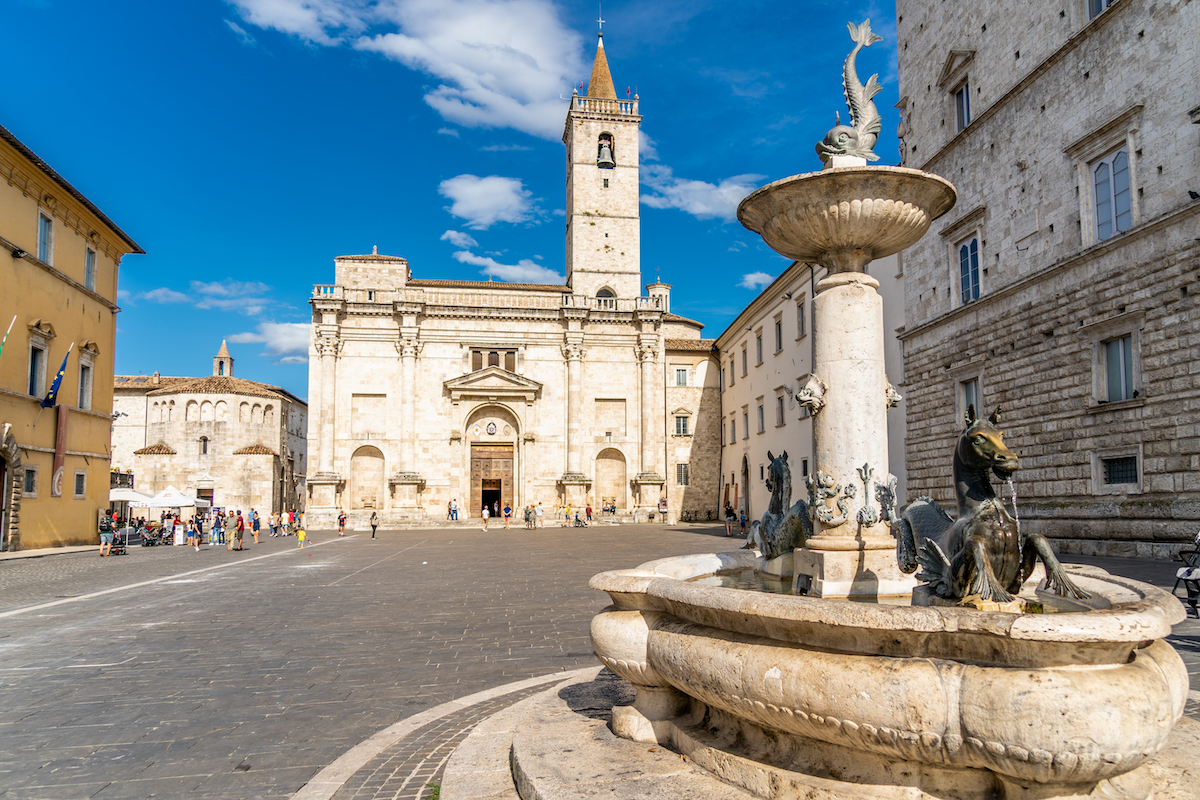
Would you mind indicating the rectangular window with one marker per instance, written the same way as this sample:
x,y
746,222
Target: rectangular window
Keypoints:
x,y
1097,6
722,434
745,369
800,330
732,373
89,270
733,431
30,488
1120,470
761,426
681,377
779,419
37,370
85,386
45,238
778,335
804,467
745,424
968,270
758,348
681,474
681,425
970,395
80,484
722,379
1110,180
1118,369
476,360
962,106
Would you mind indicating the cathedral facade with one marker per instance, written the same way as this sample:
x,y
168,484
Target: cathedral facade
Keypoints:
x,y
431,392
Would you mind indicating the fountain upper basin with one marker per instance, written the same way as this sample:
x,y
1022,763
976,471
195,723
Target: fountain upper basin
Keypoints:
x,y
876,211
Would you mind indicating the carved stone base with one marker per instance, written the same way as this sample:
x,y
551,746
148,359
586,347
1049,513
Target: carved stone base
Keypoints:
x,y
323,489
849,573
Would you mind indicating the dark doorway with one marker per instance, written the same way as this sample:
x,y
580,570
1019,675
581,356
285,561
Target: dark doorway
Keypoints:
x,y
490,492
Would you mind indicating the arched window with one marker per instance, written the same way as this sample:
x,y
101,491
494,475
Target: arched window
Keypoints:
x,y
605,152
203,445
606,293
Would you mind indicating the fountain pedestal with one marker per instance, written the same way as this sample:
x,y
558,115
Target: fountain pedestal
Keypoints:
x,y
843,218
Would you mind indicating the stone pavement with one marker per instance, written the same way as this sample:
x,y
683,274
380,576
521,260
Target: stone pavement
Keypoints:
x,y
240,675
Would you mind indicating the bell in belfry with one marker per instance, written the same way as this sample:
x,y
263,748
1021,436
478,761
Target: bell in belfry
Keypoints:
x,y
605,160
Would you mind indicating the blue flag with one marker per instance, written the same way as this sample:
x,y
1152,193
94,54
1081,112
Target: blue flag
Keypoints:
x,y
51,399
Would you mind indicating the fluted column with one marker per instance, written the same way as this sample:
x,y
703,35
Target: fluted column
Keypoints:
x,y
574,354
328,347
409,348
650,416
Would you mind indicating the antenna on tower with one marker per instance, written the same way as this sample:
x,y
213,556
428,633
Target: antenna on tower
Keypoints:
x,y
600,17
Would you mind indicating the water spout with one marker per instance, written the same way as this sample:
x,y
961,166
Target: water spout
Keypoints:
x,y
1016,514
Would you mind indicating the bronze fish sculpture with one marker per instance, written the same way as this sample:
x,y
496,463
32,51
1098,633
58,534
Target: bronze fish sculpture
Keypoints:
x,y
857,139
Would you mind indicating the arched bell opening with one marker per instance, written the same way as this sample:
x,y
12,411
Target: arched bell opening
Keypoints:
x,y
606,152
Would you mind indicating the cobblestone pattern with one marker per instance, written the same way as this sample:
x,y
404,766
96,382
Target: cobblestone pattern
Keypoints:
x,y
406,770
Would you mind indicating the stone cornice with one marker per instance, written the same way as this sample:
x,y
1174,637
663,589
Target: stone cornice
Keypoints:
x,y
1102,248
62,276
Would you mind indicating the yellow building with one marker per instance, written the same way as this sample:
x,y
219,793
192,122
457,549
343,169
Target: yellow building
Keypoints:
x,y
59,257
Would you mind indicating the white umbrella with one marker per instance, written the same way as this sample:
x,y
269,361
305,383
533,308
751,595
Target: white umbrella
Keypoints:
x,y
171,497
123,495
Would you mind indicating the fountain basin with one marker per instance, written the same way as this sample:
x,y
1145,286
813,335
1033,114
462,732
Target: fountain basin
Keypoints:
x,y
837,689
842,218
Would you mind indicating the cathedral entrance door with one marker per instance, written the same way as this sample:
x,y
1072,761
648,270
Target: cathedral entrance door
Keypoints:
x,y
491,476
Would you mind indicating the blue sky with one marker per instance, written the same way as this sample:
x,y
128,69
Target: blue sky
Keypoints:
x,y
244,144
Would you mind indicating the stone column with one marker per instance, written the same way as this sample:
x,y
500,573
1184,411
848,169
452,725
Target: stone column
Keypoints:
x,y
328,347
648,356
574,354
408,404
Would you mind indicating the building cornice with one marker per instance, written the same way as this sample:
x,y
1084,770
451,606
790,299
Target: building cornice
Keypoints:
x,y
765,298
1108,245
62,276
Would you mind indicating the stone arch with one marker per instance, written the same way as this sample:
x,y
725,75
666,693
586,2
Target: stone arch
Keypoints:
x,y
170,411
12,474
610,483
156,413
244,412
606,139
191,411
269,416
367,471
206,411
493,460
256,414
222,410
606,292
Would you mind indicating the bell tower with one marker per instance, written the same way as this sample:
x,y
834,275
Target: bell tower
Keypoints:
x,y
603,227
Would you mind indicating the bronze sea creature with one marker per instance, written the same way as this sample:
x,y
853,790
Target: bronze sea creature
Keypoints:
x,y
983,552
785,526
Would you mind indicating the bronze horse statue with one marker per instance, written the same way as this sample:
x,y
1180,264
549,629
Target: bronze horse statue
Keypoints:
x,y
785,526
984,552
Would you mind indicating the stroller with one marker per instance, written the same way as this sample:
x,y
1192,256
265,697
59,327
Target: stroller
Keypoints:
x,y
120,543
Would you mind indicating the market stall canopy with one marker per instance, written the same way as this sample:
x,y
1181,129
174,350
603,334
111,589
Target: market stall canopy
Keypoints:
x,y
171,497
123,495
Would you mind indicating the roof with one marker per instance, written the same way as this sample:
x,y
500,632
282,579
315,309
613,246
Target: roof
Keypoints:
x,y
210,384
601,83
7,136
694,345
372,257
527,287
146,381
224,351
255,450
159,449
668,317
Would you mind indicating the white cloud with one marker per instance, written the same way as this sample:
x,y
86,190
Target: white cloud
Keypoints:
x,y
503,148
646,149
459,239
524,271
243,37
288,339
484,201
756,281
698,198
448,132
230,295
496,63
165,295
326,22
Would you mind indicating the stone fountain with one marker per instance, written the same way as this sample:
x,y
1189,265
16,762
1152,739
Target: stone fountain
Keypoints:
x,y
821,696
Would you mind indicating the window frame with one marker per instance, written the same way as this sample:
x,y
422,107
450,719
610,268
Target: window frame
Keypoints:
x,y
79,495
962,375
682,471
1100,455
780,412
89,268
1100,333
745,361
1113,218
960,97
965,244
37,381
778,333
745,423
801,325
1103,140
1093,11
758,348
684,371
31,472
45,244
683,421
761,417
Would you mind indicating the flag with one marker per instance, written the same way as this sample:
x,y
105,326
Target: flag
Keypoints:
x,y
6,333
52,396
628,90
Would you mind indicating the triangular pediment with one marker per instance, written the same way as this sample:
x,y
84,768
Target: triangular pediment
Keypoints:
x,y
492,382
956,63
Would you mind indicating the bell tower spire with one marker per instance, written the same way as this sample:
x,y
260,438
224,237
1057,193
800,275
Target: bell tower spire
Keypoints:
x,y
603,226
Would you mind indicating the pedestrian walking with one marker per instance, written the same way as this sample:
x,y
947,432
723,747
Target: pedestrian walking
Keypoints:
x,y
239,529
300,537
374,523
729,518
528,516
485,516
742,523
218,528
538,515
588,514
106,535
341,524
507,514
271,524
255,524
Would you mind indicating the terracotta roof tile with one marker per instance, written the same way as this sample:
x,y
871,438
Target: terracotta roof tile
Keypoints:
x,y
694,345
255,450
668,317
159,449
220,384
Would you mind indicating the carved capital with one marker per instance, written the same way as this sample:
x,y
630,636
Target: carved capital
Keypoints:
x,y
408,348
647,353
574,352
893,397
328,346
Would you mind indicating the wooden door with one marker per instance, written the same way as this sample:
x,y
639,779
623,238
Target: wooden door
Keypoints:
x,y
491,462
